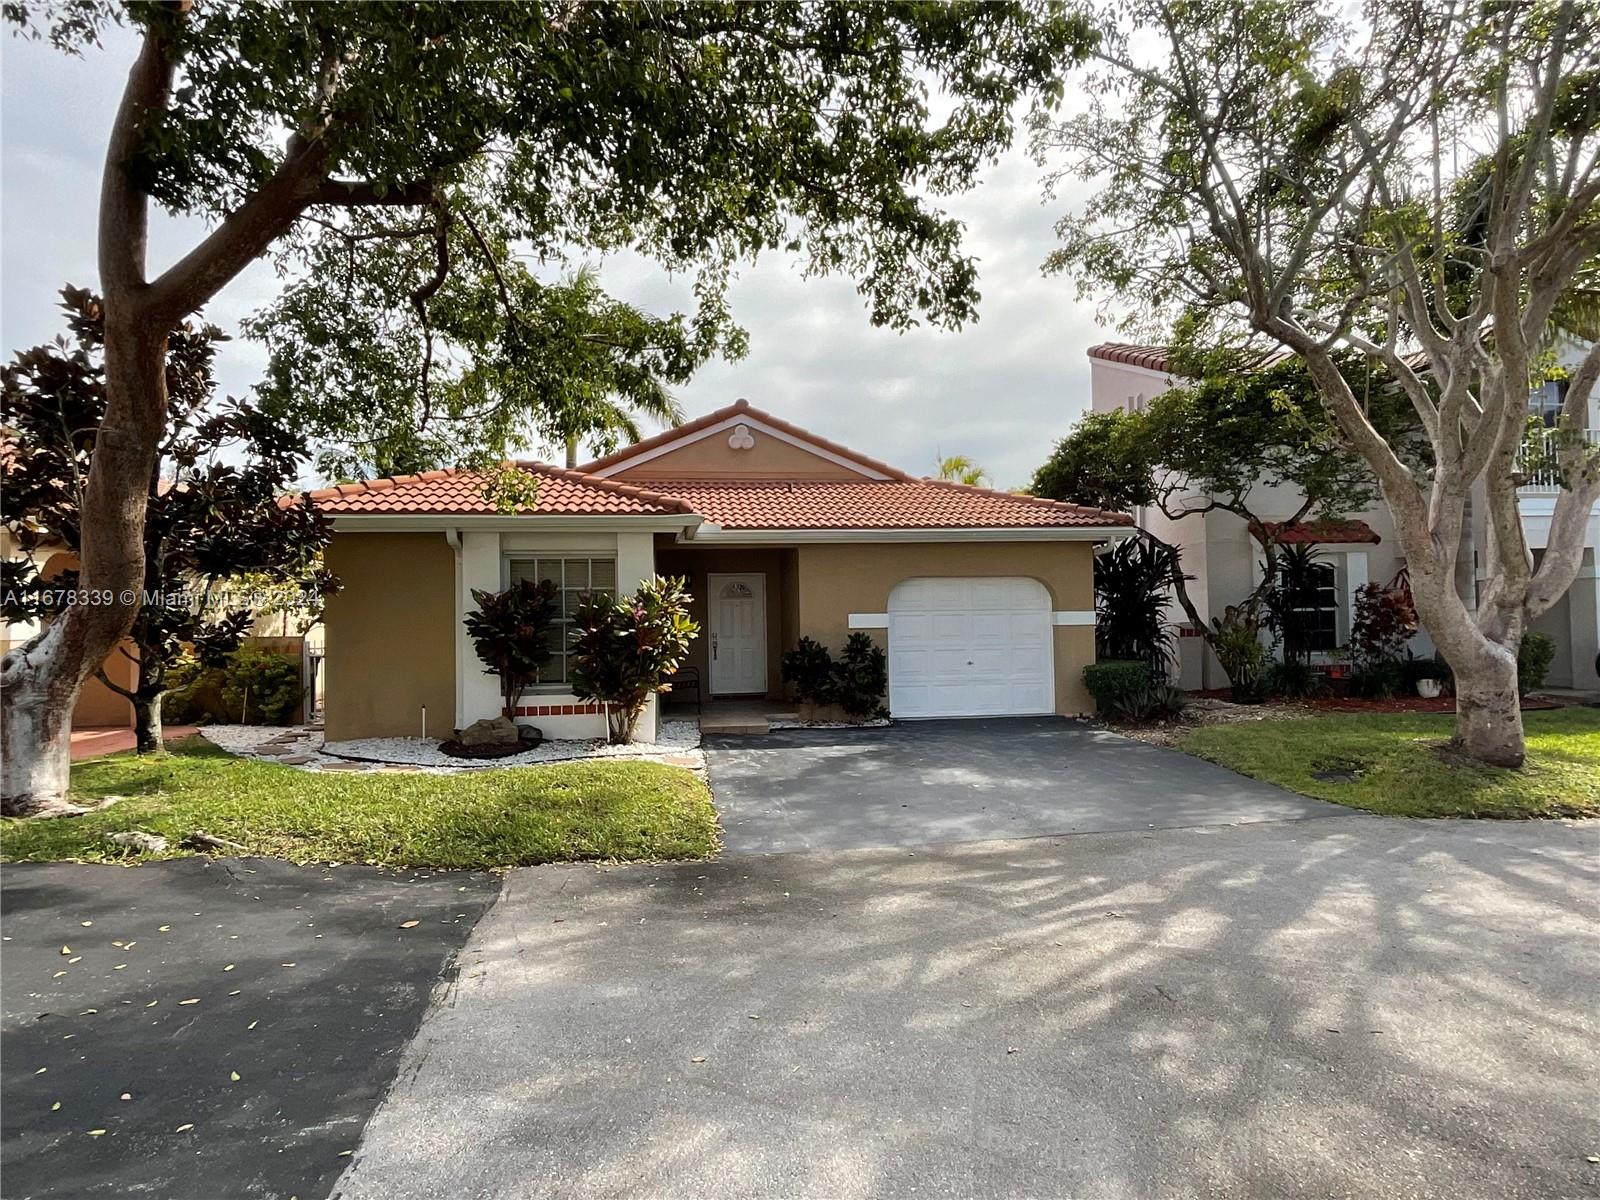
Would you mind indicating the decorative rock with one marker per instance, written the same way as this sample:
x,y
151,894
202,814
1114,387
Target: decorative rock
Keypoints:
x,y
530,735
492,731
296,760
138,839
345,766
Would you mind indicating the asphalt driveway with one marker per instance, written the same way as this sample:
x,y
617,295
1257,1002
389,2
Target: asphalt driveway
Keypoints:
x,y
925,782
1360,1007
227,1025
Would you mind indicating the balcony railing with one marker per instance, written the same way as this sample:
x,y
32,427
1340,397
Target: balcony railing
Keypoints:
x,y
1536,461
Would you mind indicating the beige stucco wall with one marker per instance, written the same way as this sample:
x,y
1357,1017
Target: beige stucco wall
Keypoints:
x,y
390,635
696,565
837,580
712,458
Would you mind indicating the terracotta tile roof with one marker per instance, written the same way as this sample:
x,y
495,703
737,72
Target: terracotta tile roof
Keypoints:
x,y
1311,533
455,492
870,504
742,407
1154,358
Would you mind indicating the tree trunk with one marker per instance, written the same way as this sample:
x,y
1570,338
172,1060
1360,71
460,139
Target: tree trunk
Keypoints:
x,y
35,728
40,681
1488,708
572,453
147,723
622,722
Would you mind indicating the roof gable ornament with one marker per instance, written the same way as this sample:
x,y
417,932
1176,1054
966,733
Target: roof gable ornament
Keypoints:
x,y
741,438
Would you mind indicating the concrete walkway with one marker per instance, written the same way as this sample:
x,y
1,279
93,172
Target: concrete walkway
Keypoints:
x,y
95,740
1352,1007
923,782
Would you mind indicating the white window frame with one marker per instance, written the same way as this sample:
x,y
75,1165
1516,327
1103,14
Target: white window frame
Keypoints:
x,y
563,621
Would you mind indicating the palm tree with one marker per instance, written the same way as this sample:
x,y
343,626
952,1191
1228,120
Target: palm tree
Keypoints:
x,y
605,419
958,468
616,365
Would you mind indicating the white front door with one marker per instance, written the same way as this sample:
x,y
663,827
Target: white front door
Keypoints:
x,y
970,648
737,613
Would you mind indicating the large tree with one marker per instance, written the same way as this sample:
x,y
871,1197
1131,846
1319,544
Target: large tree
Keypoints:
x,y
494,360
215,529
1417,186
697,134
1236,438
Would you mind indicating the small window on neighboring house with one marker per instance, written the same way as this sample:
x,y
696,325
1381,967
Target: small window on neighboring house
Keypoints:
x,y
1320,619
1545,402
572,577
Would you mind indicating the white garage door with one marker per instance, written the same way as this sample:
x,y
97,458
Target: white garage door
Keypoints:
x,y
970,648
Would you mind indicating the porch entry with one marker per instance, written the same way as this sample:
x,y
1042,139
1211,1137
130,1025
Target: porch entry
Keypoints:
x,y
736,608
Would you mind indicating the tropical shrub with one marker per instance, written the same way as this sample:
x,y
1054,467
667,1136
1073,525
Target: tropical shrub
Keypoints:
x,y
1112,681
511,633
1384,621
1534,656
1132,590
1379,679
861,678
1151,702
808,670
1294,679
627,648
1290,605
192,689
1237,643
261,687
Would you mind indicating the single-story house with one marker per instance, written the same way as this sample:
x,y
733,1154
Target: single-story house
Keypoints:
x,y
984,600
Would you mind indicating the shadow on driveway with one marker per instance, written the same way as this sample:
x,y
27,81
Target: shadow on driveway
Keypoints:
x,y
1365,1007
306,988
924,782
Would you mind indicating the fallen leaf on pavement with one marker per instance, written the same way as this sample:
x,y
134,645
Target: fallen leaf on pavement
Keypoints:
x,y
190,1000
409,924
184,1128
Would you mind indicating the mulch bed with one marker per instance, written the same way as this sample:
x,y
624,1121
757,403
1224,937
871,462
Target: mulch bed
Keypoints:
x,y
493,750
1395,704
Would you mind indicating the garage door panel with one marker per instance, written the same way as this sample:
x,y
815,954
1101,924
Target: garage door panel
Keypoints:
x,y
1025,663
970,647
915,627
992,628
990,661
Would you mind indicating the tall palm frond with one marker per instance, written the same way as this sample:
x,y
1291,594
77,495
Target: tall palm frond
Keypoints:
x,y
958,468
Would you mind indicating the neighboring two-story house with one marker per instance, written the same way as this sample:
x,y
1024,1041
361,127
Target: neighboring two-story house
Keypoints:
x,y
1224,557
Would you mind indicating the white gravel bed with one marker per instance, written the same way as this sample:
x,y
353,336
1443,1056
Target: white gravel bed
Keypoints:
x,y
679,740
242,739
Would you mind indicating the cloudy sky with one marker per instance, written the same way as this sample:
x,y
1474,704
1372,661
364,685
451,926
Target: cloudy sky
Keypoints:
x,y
1000,391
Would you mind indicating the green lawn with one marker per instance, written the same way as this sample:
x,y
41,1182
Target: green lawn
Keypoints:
x,y
490,818
1398,770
